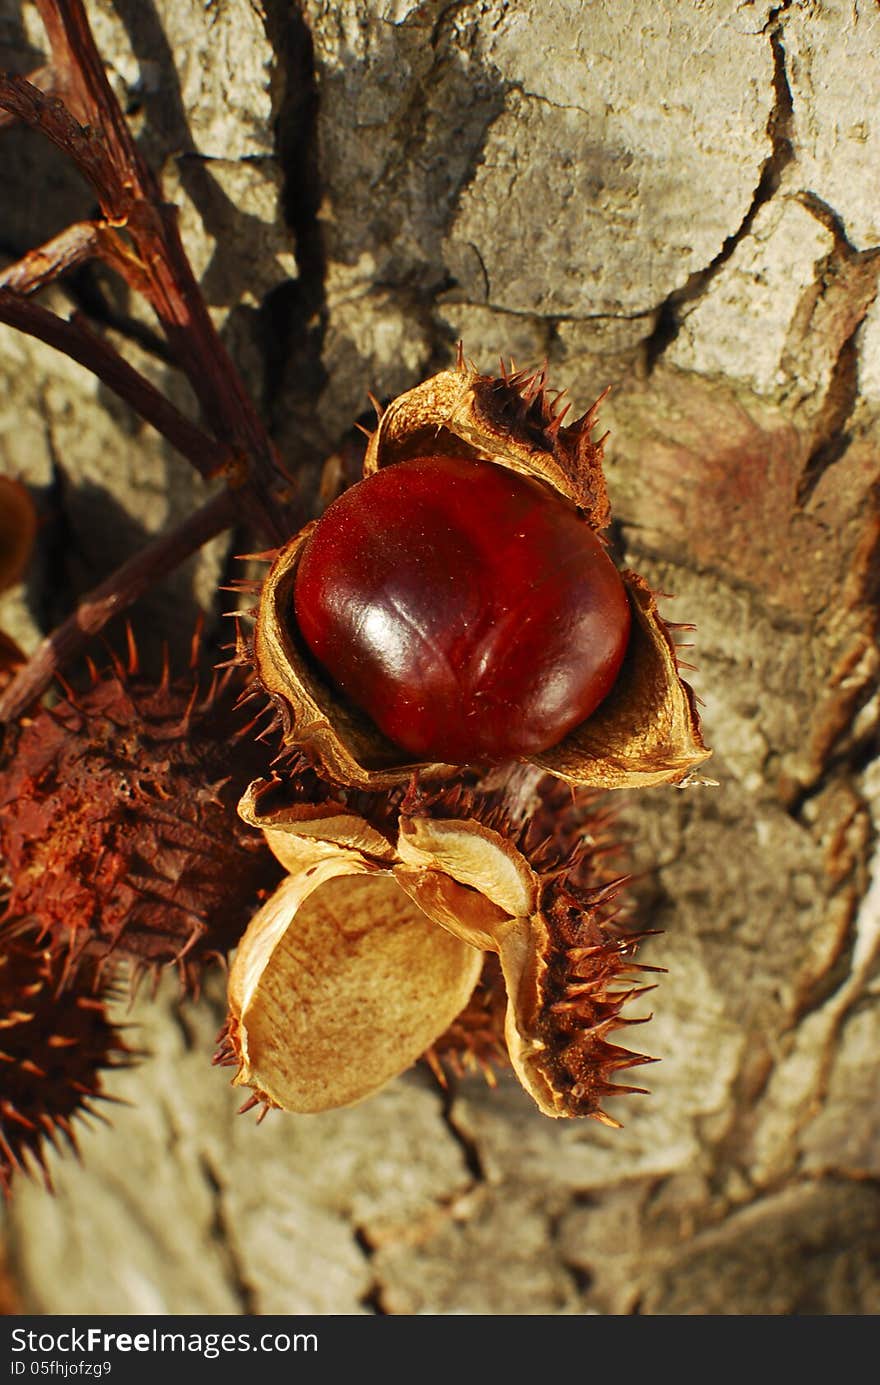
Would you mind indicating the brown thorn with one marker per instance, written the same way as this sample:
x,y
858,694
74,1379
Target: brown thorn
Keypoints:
x,y
434,1064
626,1059
553,427
67,690
165,681
115,661
604,1119
134,666
196,642
268,555
596,404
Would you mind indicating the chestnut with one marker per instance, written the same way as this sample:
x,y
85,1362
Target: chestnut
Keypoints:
x,y
471,612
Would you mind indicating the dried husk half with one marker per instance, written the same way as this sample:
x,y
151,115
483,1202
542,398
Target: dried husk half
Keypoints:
x,y
562,969
370,950
340,982
646,732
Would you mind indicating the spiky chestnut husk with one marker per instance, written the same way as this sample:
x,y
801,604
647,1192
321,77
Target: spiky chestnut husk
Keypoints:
x,y
383,935
645,731
118,829
580,970
56,1042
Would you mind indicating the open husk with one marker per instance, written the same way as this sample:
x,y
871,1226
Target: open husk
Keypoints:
x,y
344,984
562,969
645,732
340,982
372,947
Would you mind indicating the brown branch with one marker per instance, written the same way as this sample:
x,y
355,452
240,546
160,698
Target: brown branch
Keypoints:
x,y
85,240
50,116
82,345
45,79
130,195
90,95
39,267
115,594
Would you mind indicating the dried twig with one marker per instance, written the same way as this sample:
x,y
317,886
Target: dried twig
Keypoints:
x,y
81,344
45,79
92,131
116,594
71,103
39,267
85,240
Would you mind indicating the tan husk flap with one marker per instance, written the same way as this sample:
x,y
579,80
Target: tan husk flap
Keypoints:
x,y
460,411
563,980
497,911
357,985
269,925
475,856
300,830
464,911
647,729
521,944
522,952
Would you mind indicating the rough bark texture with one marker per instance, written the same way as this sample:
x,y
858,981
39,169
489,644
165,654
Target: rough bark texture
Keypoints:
x,y
678,201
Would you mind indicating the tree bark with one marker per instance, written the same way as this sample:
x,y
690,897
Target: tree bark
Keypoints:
x,y
688,213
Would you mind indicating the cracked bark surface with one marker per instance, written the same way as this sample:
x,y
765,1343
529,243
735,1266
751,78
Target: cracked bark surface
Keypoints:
x,y
680,204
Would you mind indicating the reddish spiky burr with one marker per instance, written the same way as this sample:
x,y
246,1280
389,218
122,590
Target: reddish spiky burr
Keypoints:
x,y
54,1047
118,829
474,1042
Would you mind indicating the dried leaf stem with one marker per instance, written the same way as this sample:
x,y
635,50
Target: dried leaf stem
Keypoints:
x,y
111,597
81,344
93,132
85,240
72,104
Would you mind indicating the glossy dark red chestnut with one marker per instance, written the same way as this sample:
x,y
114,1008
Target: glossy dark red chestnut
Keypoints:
x,y
469,611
